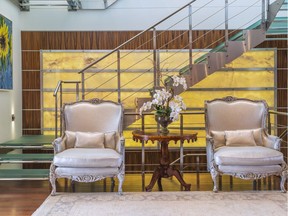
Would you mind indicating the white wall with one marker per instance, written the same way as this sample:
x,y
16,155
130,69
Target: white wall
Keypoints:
x,y
141,14
11,101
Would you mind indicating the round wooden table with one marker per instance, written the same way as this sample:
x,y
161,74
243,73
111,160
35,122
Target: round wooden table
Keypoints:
x,y
164,170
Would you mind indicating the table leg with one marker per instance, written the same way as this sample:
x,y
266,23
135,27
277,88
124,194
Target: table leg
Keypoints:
x,y
155,177
159,184
176,173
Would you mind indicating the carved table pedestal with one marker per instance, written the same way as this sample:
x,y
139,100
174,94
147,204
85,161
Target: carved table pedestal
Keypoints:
x,y
164,170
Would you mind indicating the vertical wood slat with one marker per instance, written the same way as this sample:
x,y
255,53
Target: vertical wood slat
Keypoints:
x,y
31,40
31,99
31,60
30,80
32,120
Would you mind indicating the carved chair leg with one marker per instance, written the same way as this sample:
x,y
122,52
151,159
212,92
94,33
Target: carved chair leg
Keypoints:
x,y
284,175
120,177
52,178
214,175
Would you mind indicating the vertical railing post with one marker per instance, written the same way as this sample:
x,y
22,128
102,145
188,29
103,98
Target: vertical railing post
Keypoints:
x,y
269,123
61,103
155,60
118,76
56,115
263,16
181,145
143,155
83,85
268,17
226,23
190,39
77,91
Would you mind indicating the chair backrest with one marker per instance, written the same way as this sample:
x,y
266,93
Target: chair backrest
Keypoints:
x,y
93,116
232,113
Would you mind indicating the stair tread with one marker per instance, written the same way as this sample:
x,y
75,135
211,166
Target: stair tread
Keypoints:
x,y
220,48
24,173
30,140
26,157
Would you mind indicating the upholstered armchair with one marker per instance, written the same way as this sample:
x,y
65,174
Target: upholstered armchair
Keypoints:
x,y
238,143
91,147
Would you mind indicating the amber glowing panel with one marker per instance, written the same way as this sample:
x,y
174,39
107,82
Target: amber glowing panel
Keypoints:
x,y
249,76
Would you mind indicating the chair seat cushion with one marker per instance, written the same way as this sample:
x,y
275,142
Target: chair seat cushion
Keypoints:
x,y
88,158
250,169
247,155
70,171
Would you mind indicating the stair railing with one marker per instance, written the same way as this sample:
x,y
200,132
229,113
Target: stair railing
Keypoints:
x,y
284,128
156,61
156,78
59,89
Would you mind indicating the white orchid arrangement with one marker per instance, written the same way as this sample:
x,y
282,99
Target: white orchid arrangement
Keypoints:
x,y
165,102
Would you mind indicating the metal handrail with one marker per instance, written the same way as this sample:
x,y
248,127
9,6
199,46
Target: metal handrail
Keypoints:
x,y
269,118
128,41
60,83
277,112
55,94
131,39
156,60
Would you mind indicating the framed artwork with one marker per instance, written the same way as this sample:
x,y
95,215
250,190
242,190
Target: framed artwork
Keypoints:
x,y
6,76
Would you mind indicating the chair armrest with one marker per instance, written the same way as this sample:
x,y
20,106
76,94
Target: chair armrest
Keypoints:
x,y
120,146
210,140
59,145
209,151
271,141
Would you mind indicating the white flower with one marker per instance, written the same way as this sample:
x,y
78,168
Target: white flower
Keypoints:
x,y
179,81
161,96
145,106
164,101
174,116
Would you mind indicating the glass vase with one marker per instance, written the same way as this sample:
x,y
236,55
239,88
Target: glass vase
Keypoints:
x,y
163,121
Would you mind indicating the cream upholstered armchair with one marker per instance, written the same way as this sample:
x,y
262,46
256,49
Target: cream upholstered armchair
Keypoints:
x,y
238,143
92,147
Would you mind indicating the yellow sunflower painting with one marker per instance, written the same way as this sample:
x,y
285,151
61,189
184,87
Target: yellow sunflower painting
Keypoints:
x,y
6,79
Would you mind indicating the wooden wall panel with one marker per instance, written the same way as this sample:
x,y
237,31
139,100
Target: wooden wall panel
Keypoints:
x,y
31,60
56,40
114,39
31,100
275,43
32,120
282,58
31,80
173,40
33,40
31,132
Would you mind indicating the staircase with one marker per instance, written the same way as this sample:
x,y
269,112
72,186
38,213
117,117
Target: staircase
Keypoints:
x,y
39,143
233,48
237,44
